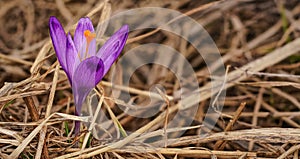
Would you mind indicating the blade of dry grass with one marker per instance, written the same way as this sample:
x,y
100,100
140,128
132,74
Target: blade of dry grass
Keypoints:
x,y
92,124
269,84
262,135
187,152
22,95
42,147
11,133
291,150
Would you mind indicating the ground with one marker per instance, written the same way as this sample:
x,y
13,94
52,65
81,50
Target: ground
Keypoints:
x,y
196,79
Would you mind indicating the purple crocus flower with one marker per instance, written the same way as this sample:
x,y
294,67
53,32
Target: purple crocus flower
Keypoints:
x,y
84,66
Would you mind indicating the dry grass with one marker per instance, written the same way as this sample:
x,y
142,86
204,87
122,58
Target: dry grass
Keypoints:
x,y
259,43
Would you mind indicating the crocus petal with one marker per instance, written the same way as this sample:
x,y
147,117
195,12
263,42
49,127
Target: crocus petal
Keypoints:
x,y
58,37
92,48
110,51
72,59
80,40
86,76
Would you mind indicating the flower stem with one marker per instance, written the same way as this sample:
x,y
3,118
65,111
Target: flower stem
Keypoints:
x,y
77,128
77,124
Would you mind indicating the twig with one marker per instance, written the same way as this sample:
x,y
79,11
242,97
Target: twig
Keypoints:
x,y
220,144
31,108
255,111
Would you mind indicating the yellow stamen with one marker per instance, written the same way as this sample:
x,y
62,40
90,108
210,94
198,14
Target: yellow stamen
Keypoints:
x,y
89,37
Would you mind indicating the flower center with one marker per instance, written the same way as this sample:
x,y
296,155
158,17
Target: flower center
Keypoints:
x,y
89,36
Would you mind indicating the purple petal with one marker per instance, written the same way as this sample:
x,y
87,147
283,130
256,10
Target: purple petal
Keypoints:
x,y
86,76
80,40
72,59
58,37
92,48
110,51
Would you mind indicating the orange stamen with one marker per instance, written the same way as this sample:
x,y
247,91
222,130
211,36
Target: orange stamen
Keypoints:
x,y
89,37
